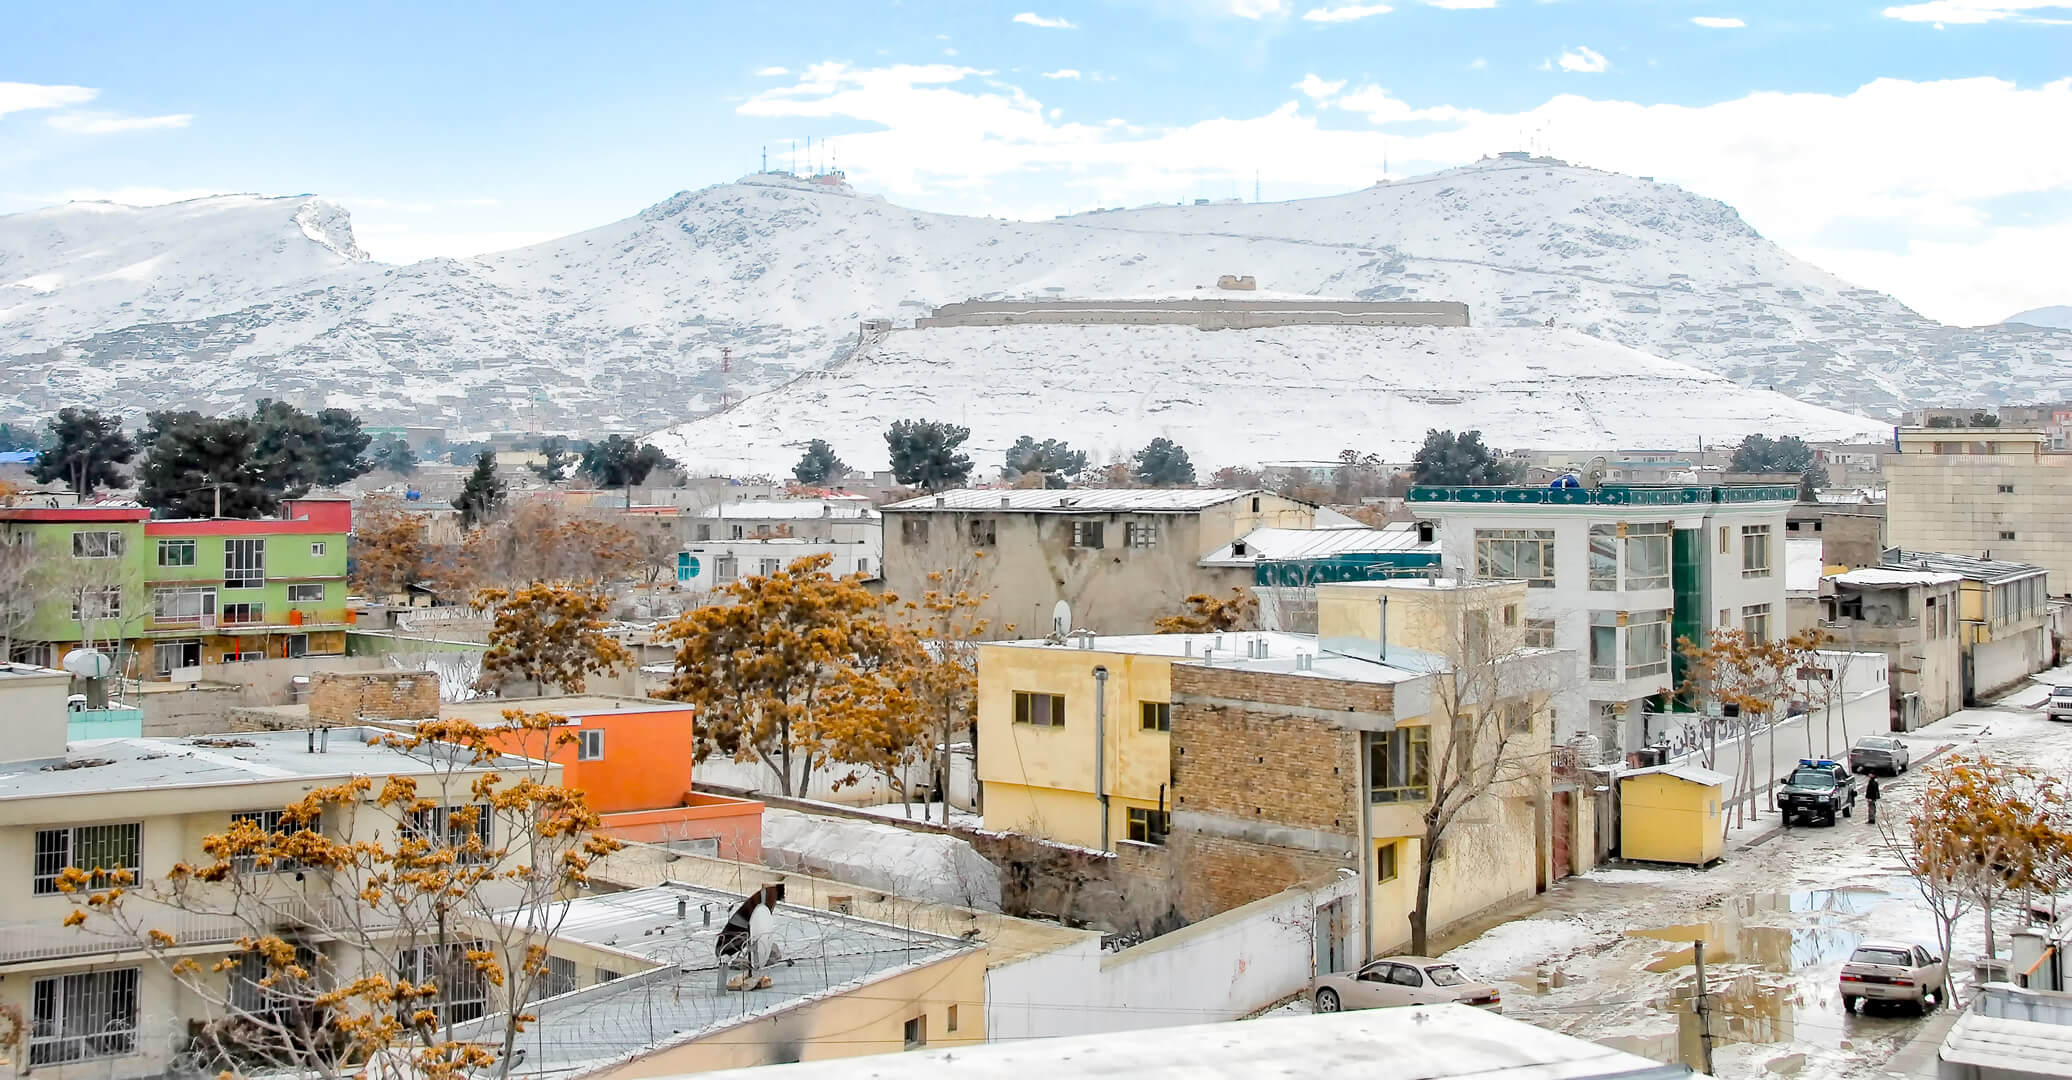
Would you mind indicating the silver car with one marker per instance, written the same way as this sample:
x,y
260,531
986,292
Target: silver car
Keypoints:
x,y
2059,705
1879,753
1403,980
1892,971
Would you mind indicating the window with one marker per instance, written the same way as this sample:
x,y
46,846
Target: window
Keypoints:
x,y
1526,554
1511,615
297,646
1604,644
2007,489
97,545
256,989
913,529
244,564
1155,715
317,550
951,1018
1755,621
769,567
183,607
463,988
249,656
444,827
97,603
1140,534
984,532
725,568
1755,551
1539,633
278,823
917,1032
559,978
312,593
92,1014
590,744
176,553
605,974
243,614
93,848
1647,555
1401,764
1086,534
170,656
705,532
1647,643
1255,504
1040,710
1148,826
739,531
1726,541
1517,717
2007,534
863,566
1385,861
1604,558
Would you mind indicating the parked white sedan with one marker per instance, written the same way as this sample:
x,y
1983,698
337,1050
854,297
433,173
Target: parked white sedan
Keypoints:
x,y
1892,971
1402,980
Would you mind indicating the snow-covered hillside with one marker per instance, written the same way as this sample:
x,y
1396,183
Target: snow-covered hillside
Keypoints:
x,y
2058,316
623,327
1236,397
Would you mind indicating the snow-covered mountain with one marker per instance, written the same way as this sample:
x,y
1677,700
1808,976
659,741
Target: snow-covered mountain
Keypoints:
x,y
2057,316
1237,397
623,327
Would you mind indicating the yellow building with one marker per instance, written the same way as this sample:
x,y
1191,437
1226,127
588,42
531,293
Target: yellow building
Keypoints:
x,y
2000,618
1672,814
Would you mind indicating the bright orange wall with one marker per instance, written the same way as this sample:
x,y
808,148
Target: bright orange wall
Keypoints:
x,y
646,763
737,824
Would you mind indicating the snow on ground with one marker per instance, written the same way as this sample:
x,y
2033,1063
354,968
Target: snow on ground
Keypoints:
x,y
926,866
930,812
1524,945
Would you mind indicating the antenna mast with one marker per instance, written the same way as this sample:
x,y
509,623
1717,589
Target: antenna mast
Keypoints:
x,y
1255,185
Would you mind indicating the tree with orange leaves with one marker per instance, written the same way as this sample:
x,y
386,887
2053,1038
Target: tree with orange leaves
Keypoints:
x,y
1754,675
798,669
539,540
389,548
944,675
548,636
406,918
1211,614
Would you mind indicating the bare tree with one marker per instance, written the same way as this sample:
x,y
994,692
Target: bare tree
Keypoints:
x,y
18,585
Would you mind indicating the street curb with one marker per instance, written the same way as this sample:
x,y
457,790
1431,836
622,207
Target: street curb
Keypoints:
x,y
1778,830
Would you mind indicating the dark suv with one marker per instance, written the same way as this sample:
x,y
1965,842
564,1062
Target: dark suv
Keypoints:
x,y
1817,790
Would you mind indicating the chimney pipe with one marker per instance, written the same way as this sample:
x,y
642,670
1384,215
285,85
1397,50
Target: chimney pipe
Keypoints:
x,y
1101,747
683,909
1384,629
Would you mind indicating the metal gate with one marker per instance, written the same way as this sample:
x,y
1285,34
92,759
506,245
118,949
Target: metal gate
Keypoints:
x,y
1564,833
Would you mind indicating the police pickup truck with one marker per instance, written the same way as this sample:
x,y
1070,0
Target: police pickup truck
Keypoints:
x,y
1818,790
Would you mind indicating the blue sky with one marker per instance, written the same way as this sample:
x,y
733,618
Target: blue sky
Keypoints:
x,y
1917,147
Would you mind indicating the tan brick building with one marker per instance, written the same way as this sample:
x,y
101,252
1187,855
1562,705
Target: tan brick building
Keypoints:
x,y
1987,493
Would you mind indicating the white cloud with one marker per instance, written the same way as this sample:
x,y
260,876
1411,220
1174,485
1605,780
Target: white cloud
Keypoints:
x,y
89,122
1348,13
21,97
1979,11
1030,18
1810,170
1461,5
1062,73
1717,22
1478,64
770,72
1317,89
1585,59
1258,9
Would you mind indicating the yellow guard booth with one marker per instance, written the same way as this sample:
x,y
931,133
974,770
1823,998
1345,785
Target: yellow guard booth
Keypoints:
x,y
1672,814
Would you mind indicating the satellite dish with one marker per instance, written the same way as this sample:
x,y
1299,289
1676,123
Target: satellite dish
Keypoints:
x,y
1593,477
88,663
1061,619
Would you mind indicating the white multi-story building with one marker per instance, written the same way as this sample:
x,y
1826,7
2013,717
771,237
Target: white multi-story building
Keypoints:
x,y
1617,575
762,536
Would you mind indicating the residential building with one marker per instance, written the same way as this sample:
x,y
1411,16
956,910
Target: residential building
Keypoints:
x,y
645,998
95,1004
2003,609
726,543
1117,558
1266,759
226,590
1989,493
1283,566
87,588
1852,535
706,566
1914,618
1616,575
1805,566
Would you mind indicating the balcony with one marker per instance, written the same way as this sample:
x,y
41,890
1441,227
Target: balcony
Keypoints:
x,y
266,620
30,942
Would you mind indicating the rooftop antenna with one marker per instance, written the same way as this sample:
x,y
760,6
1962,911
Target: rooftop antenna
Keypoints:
x,y
766,159
1255,185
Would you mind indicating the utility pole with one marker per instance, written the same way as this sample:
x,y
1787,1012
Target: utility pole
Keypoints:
x,y
1703,1005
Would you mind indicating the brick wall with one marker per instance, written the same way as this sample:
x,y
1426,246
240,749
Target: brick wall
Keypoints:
x,y
1255,752
348,697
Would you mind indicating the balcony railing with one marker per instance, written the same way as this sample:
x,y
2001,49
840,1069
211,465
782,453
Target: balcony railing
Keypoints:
x,y
27,942
115,723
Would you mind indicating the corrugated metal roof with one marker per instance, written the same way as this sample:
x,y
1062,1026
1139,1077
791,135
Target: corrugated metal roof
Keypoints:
x,y
1078,500
1276,545
1877,576
1971,569
1696,774
791,509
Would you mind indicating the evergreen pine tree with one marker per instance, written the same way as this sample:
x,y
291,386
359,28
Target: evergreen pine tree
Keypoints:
x,y
924,453
818,464
1054,459
193,460
557,460
394,455
86,446
1162,463
1462,461
620,462
482,496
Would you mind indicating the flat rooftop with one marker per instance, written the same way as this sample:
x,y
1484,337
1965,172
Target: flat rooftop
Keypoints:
x,y
99,766
491,713
818,953
1233,649
1078,500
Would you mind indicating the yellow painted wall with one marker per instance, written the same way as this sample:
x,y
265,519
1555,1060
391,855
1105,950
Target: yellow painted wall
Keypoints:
x,y
868,1020
1421,617
1040,780
1665,819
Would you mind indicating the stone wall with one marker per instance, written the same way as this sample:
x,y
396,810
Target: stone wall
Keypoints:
x,y
345,698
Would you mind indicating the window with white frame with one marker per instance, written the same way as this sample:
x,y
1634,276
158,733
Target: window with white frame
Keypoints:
x,y
249,614
244,563
1755,621
768,567
1755,551
318,549
725,569
463,987
309,593
1604,558
97,545
1087,534
170,656
1647,643
590,744
1516,554
1140,534
176,553
97,849
296,647
83,1016
279,823
1604,645
1647,555
182,607
451,827
89,605
1400,765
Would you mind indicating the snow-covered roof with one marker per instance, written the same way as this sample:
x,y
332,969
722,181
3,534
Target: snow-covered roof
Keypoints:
x,y
1078,500
1233,650
1803,562
1275,545
1430,1042
756,509
1886,577
1696,774
1996,1046
1971,569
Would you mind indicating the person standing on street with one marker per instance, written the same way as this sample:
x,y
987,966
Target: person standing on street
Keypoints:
x,y
1870,796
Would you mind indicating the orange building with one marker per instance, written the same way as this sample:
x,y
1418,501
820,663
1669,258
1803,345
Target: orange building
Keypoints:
x,y
632,757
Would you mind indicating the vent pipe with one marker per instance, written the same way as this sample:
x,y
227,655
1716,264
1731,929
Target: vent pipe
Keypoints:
x,y
1101,747
683,909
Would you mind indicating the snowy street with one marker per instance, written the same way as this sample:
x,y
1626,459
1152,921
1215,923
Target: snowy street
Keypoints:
x,y
1608,956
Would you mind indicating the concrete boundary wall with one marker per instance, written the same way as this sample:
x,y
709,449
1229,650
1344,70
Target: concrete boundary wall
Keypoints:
x,y
1206,314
